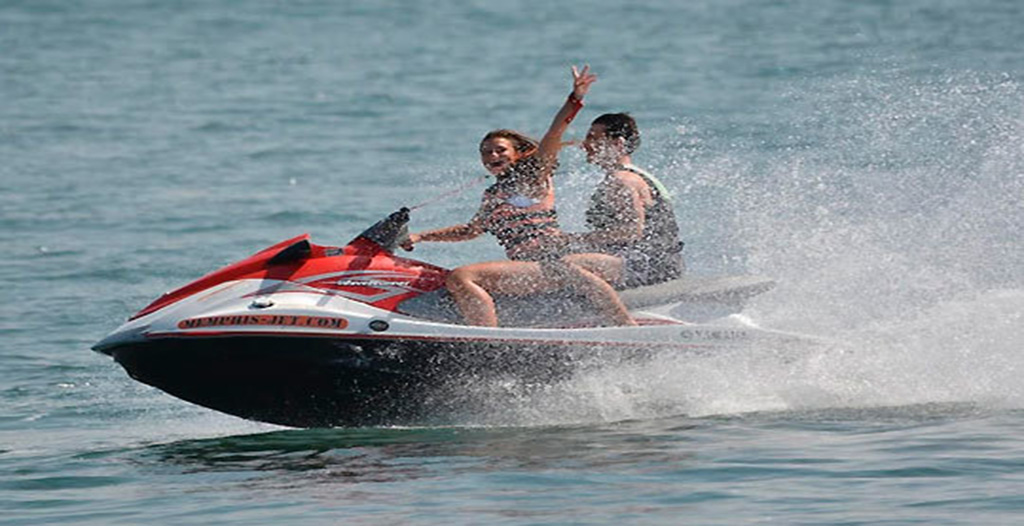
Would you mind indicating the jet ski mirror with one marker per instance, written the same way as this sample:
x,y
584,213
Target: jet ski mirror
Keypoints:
x,y
390,232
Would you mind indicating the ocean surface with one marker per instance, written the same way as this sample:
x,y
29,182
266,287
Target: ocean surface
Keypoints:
x,y
867,155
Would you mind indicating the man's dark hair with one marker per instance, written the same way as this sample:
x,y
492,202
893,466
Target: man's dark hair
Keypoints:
x,y
621,125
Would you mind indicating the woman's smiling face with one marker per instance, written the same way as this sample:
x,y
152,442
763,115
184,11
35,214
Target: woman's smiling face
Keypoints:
x,y
497,154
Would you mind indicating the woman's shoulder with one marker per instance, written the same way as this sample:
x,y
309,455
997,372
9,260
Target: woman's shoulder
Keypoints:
x,y
526,165
494,190
532,165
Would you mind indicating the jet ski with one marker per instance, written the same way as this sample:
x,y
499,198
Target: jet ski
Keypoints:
x,y
305,335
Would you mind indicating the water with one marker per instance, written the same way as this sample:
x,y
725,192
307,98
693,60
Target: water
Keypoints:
x,y
867,155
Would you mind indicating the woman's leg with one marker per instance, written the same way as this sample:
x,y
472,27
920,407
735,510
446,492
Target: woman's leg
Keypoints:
x,y
473,301
596,288
606,269
607,266
471,287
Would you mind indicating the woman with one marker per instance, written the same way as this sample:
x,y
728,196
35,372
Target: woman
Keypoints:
x,y
634,237
519,210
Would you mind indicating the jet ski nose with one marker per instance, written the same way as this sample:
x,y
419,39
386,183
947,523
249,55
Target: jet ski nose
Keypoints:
x,y
124,335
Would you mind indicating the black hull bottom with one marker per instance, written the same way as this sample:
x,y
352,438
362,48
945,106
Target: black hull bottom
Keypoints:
x,y
314,382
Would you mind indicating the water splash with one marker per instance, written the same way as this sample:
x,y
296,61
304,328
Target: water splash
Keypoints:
x,y
893,229
900,235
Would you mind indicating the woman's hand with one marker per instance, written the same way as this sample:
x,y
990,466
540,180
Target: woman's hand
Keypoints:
x,y
409,242
581,81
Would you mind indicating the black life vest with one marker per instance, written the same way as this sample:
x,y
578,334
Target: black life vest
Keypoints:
x,y
660,237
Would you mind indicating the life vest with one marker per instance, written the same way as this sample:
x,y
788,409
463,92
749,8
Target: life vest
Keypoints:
x,y
660,237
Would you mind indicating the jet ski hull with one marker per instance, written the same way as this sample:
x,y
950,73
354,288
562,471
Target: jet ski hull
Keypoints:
x,y
330,382
298,382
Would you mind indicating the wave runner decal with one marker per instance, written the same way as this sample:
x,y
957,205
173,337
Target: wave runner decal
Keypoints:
x,y
382,288
278,320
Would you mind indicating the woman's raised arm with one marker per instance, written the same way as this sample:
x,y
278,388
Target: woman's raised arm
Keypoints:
x,y
552,141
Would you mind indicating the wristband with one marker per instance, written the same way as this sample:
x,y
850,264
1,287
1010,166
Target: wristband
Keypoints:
x,y
576,105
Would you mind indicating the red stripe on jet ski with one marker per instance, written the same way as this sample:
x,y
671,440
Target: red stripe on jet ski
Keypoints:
x,y
446,339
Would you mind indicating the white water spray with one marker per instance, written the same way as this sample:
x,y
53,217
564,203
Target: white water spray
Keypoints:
x,y
897,235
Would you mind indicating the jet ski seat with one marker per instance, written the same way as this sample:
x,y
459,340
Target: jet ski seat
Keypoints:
x,y
693,298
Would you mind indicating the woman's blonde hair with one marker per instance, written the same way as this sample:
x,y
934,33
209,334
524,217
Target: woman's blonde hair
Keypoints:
x,y
524,144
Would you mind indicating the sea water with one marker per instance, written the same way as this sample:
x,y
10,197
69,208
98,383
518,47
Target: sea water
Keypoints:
x,y
866,155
